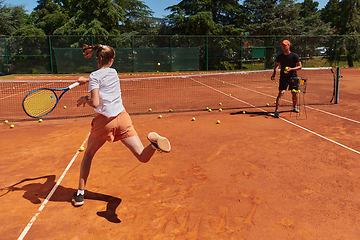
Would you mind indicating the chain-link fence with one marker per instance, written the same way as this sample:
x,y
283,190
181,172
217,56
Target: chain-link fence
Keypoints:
x,y
62,54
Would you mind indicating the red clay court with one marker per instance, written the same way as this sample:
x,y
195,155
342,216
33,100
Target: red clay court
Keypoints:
x,y
250,177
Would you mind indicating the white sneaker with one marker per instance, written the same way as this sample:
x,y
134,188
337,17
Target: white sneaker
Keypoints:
x,y
162,144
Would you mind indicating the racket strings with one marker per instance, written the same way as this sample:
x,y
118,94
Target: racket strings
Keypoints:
x,y
40,102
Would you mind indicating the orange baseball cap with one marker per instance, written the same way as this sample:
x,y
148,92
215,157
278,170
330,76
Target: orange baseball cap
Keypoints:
x,y
285,42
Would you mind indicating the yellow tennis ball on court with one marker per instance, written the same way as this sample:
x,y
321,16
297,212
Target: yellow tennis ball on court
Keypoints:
x,y
40,120
275,102
64,107
81,149
6,121
218,121
150,109
193,119
220,104
12,126
160,116
170,110
209,110
244,112
220,110
267,104
229,94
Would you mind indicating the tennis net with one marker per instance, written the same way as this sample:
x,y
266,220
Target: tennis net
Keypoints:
x,y
176,93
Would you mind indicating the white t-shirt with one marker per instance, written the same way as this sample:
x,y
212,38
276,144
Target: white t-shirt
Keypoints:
x,y
108,83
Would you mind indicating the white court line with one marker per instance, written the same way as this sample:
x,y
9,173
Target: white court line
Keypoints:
x,y
28,226
316,109
303,128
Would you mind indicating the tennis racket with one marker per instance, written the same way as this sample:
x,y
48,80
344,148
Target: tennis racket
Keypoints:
x,y
40,102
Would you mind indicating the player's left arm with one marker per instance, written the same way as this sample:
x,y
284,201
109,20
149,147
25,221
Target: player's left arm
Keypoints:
x,y
298,67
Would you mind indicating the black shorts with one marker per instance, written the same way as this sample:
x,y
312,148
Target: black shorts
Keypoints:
x,y
289,83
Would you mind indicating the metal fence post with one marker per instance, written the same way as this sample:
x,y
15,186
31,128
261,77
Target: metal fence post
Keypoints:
x,y
51,56
6,56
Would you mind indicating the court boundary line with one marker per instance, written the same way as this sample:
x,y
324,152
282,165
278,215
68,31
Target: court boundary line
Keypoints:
x,y
33,219
288,121
285,100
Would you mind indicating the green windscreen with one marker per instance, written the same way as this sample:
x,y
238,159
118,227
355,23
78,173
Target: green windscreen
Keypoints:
x,y
71,60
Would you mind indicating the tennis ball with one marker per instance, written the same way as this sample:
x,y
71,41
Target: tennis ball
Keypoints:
x,y
170,110
267,104
40,120
218,121
275,102
299,91
223,82
12,126
150,109
209,110
220,104
294,90
285,72
286,68
220,109
193,119
160,116
244,112
158,64
229,94
64,107
6,121
81,149
14,88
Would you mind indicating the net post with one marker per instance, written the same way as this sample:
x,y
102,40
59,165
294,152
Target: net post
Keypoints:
x,y
338,76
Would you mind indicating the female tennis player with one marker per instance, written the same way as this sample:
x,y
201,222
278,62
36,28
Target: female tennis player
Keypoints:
x,y
112,122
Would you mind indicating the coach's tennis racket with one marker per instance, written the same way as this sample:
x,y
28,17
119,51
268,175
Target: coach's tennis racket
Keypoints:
x,y
40,102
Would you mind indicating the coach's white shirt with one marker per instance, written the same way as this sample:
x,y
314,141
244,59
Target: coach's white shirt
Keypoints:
x,y
108,83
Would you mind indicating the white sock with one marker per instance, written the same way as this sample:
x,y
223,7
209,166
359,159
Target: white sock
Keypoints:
x,y
80,192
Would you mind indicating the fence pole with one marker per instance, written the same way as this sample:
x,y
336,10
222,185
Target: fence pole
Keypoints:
x,y
207,53
171,54
335,50
6,56
305,50
132,51
51,56
241,52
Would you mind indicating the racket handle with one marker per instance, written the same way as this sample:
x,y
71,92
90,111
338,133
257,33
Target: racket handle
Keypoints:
x,y
73,85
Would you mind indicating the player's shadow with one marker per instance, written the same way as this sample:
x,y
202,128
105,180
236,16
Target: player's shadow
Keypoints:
x,y
258,113
35,191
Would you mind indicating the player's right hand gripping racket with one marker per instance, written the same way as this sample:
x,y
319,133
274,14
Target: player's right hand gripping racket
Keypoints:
x,y
40,102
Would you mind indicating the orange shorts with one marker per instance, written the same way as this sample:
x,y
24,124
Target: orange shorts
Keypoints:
x,y
114,128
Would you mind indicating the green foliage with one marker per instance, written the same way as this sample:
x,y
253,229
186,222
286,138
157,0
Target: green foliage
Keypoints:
x,y
11,18
206,17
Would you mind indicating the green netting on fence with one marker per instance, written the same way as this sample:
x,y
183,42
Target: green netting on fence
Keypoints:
x,y
71,60
174,53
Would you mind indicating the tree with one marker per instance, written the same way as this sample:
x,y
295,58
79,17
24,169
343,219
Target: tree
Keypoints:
x,y
331,12
49,16
11,18
138,18
92,17
349,26
206,17
308,8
